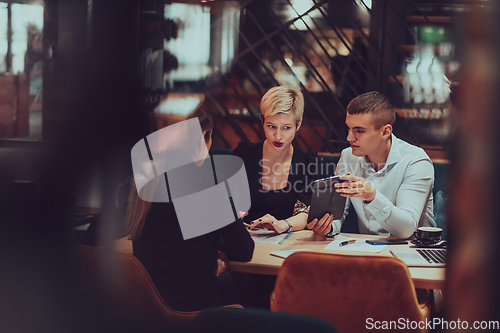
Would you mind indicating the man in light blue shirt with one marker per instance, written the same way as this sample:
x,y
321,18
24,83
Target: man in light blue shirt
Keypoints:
x,y
391,181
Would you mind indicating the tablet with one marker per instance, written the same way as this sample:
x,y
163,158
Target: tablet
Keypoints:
x,y
326,200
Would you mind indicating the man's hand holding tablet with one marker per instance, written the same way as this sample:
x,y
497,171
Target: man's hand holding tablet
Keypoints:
x,y
355,187
327,205
323,226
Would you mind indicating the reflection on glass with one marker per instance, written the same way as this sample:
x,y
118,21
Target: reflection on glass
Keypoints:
x,y
24,19
3,37
425,80
229,38
178,104
192,46
368,3
21,104
3,55
299,7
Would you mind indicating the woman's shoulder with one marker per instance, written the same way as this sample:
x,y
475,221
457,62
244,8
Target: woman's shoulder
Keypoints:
x,y
303,155
304,161
248,148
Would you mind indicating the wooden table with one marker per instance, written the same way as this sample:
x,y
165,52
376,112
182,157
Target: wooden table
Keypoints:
x,y
264,263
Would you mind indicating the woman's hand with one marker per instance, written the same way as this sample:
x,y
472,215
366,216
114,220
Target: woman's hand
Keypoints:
x,y
222,263
270,222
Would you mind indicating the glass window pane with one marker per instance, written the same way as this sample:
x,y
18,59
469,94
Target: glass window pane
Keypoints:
x,y
24,14
26,50
3,54
3,19
192,45
27,20
3,36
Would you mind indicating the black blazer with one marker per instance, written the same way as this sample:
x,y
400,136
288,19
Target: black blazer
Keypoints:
x,y
184,271
279,203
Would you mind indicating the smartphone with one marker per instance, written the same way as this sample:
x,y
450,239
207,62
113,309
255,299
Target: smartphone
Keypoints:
x,y
386,241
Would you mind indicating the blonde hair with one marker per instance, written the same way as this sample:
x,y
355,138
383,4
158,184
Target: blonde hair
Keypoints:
x,y
138,209
282,99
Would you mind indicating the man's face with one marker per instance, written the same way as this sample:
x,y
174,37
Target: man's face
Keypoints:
x,y
363,136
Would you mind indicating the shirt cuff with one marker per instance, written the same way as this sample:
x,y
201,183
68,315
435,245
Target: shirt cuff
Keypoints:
x,y
336,225
380,207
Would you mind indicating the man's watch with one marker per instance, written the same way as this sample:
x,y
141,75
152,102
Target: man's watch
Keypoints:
x,y
290,226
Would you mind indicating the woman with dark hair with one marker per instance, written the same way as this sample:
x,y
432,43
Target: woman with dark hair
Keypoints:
x,y
184,271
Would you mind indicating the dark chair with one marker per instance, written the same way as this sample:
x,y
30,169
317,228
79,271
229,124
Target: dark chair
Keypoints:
x,y
256,321
348,290
124,289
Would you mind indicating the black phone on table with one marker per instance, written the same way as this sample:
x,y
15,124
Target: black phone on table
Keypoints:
x,y
386,241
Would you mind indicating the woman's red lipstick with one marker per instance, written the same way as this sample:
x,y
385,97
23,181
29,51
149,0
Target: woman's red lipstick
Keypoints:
x,y
277,144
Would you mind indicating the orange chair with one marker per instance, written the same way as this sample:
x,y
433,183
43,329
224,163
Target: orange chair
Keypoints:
x,y
354,293
126,291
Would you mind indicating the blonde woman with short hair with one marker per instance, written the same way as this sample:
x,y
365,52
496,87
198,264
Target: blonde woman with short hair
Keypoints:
x,y
279,174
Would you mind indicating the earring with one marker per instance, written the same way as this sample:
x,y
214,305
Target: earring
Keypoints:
x,y
297,133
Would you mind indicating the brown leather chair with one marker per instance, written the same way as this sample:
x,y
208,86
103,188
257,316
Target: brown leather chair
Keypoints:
x,y
126,290
351,292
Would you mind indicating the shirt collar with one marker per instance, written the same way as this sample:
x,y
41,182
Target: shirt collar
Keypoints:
x,y
393,157
395,152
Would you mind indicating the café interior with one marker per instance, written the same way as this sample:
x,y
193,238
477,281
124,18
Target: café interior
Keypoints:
x,y
81,82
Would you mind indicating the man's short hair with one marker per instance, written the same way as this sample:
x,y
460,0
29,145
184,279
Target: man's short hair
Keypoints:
x,y
282,99
376,103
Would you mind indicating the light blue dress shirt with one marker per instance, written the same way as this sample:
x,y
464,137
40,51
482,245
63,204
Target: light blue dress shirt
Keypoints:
x,y
403,200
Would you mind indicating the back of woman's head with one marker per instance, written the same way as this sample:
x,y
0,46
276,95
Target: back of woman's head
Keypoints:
x,y
206,120
204,117
137,209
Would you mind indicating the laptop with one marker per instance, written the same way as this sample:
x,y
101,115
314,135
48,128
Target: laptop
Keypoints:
x,y
421,257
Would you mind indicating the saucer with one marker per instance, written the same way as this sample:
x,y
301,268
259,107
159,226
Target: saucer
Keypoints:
x,y
439,244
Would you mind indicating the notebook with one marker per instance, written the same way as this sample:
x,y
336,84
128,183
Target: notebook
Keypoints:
x,y
421,256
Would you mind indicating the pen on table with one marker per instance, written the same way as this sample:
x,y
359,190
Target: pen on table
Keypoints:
x,y
347,242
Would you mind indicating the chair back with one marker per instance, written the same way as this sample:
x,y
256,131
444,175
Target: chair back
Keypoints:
x,y
350,291
123,287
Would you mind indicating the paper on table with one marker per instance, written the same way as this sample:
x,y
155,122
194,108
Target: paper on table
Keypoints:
x,y
260,232
359,246
268,236
285,254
